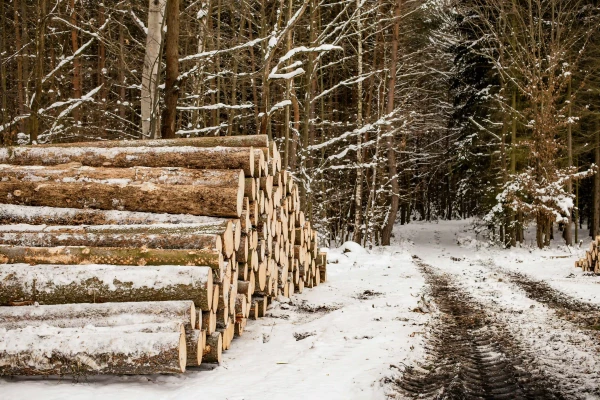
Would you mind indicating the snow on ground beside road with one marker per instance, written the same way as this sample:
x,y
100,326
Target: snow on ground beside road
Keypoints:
x,y
350,330
439,242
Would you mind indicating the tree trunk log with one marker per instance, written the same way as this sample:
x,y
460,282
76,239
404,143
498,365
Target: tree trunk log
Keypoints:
x,y
74,172
183,199
194,342
209,141
80,255
81,354
126,157
169,235
82,237
214,348
64,284
99,314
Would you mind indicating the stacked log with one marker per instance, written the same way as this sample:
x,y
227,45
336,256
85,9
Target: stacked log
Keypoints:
x,y
590,262
171,246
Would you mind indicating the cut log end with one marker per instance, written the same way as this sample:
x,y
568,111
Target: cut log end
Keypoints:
x,y
182,353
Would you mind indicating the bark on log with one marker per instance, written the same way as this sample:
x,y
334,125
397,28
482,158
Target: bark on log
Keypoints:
x,y
209,321
194,343
250,188
127,157
262,305
75,172
170,199
29,352
64,284
208,141
181,223
81,255
53,237
240,326
214,348
99,314
253,314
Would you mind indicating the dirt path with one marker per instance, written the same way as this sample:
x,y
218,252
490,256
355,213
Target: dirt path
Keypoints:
x,y
584,314
471,354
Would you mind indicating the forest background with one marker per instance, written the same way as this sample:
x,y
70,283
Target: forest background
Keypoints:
x,y
384,110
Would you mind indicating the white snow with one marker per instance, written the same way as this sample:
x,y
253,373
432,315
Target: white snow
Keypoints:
x,y
352,340
369,321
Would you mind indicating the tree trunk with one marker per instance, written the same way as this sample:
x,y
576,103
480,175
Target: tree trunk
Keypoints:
x,y
127,157
20,58
596,224
156,13
82,255
568,227
182,199
65,284
39,70
82,237
386,234
52,352
194,340
214,348
99,314
358,220
11,214
259,141
77,83
172,70
75,173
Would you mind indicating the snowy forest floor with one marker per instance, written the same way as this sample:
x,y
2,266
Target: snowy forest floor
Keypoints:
x,y
437,312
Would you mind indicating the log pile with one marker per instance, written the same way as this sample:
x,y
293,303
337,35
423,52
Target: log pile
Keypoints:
x,y
590,262
136,257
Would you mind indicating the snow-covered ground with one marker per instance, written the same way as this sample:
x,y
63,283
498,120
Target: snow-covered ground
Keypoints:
x,y
441,244
356,325
342,339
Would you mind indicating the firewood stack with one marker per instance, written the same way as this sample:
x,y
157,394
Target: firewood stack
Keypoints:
x,y
590,262
136,257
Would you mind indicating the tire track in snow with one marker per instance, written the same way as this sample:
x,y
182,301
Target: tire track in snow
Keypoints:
x,y
586,315
471,355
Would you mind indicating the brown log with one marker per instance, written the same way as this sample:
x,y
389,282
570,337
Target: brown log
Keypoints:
x,y
82,255
127,157
209,321
266,185
194,344
259,160
223,317
250,188
99,314
75,172
260,277
242,252
53,352
64,284
53,236
246,288
214,348
237,234
240,326
207,141
253,314
300,286
182,199
240,306
262,305
137,222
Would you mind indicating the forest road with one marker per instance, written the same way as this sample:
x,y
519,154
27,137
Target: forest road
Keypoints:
x,y
502,325
471,353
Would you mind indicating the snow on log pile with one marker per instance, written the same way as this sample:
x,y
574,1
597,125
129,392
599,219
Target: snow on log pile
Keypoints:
x,y
138,257
591,263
